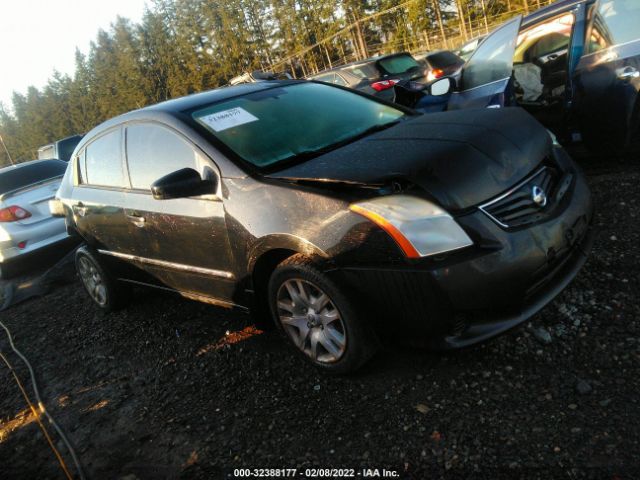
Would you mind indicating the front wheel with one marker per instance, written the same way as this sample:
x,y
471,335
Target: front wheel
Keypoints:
x,y
318,317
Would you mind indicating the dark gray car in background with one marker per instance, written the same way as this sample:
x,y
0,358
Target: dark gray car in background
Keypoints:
x,y
375,76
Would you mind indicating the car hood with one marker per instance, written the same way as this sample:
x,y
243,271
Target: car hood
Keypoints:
x,y
460,158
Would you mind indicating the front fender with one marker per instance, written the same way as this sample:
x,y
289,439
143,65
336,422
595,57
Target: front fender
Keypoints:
x,y
282,241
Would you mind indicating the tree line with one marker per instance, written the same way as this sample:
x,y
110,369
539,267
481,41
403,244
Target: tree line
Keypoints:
x,y
186,46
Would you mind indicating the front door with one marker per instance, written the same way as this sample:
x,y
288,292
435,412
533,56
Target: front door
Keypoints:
x,y
487,77
183,243
607,78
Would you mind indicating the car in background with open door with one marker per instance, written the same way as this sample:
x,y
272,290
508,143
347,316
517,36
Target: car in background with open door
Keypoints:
x,y
574,65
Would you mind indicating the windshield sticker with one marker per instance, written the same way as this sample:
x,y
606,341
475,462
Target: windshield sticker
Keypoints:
x,y
225,119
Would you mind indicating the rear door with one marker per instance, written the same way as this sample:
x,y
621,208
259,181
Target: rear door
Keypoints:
x,y
607,78
183,243
98,199
486,78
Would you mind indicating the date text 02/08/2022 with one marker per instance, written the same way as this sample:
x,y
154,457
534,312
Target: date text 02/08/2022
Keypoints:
x,y
314,473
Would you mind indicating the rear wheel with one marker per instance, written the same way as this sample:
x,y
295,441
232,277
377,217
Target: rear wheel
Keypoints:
x,y
8,270
101,287
318,317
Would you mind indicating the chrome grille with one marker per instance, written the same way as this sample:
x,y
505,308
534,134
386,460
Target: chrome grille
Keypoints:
x,y
523,204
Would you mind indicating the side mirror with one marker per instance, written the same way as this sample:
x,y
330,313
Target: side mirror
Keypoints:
x,y
442,86
181,184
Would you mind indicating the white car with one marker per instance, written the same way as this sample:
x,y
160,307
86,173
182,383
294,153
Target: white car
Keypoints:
x,y
26,223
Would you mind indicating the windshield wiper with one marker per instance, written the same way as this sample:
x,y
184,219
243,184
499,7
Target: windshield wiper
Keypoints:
x,y
307,154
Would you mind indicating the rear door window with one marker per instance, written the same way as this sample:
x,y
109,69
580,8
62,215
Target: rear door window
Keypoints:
x,y
154,151
23,175
103,161
616,22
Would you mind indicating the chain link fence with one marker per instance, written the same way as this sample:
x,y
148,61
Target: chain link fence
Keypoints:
x,y
448,29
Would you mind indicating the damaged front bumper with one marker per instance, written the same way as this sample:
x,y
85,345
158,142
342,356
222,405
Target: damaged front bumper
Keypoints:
x,y
497,284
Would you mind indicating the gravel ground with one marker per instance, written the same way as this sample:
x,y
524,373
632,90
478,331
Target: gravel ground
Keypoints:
x,y
169,388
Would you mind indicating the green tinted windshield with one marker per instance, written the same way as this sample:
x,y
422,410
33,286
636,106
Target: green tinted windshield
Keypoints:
x,y
280,123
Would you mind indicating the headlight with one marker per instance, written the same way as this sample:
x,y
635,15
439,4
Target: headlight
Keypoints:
x,y
554,139
419,227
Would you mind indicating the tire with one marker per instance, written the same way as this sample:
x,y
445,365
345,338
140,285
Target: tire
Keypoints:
x,y
102,288
8,270
318,317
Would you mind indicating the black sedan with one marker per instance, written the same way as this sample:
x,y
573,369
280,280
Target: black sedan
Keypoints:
x,y
344,218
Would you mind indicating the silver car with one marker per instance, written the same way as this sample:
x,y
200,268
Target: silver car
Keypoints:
x,y
26,223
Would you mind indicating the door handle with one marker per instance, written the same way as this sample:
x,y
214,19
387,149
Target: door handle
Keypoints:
x,y
627,73
137,220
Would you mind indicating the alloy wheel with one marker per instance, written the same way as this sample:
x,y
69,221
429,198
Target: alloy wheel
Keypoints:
x,y
311,320
93,281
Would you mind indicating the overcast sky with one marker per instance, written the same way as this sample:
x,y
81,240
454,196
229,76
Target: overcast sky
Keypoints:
x,y
38,36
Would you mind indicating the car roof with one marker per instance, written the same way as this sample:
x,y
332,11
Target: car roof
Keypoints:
x,y
171,112
212,96
431,52
172,108
550,9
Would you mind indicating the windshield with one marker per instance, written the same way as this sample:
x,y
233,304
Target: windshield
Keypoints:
x,y
398,64
279,124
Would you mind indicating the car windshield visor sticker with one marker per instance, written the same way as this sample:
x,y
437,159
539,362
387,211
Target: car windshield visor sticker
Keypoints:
x,y
225,119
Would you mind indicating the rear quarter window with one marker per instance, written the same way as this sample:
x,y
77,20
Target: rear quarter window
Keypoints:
x,y
23,175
